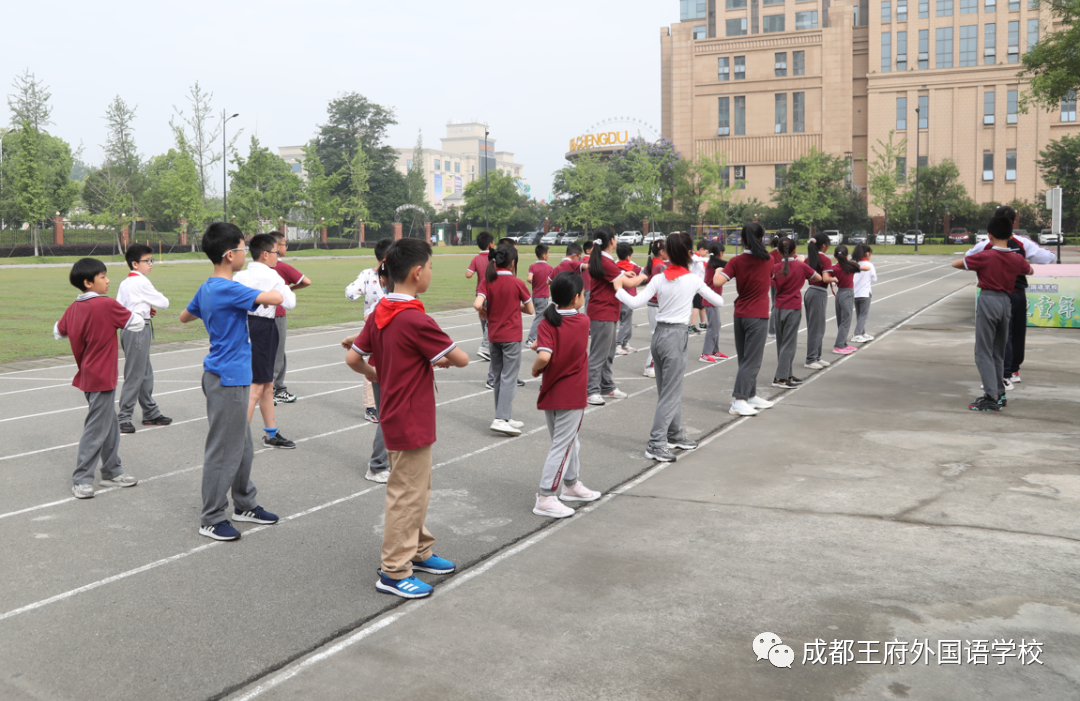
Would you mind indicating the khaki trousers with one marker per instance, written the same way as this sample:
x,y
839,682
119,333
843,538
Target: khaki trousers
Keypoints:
x,y
408,490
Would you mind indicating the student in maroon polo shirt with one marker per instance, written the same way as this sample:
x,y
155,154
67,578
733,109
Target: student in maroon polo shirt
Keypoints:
x,y
540,273
477,266
844,271
815,300
407,344
296,281
90,325
789,275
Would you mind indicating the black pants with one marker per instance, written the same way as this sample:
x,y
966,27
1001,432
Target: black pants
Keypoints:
x,y
1014,351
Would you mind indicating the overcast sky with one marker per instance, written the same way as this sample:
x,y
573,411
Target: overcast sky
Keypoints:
x,y
538,72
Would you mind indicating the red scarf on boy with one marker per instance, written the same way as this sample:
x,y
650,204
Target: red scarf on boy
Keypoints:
x,y
387,309
627,265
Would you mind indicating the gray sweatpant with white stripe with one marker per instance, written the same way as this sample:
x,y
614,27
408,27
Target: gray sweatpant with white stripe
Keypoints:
x,y
626,326
750,335
653,311
814,300
380,460
228,456
562,464
862,313
100,440
539,305
992,316
669,344
787,340
601,354
845,306
138,375
505,363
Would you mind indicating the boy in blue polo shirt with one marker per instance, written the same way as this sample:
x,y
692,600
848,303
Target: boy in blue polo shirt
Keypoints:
x,y
223,305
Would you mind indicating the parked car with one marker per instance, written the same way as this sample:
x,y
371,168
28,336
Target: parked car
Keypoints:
x,y
551,238
530,239
981,236
859,236
1048,236
958,234
734,238
913,237
632,237
568,237
835,239
787,233
654,236
887,238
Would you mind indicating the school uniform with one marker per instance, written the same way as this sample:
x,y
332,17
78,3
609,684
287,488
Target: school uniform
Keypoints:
x,y
863,281
367,285
138,295
656,266
223,306
90,326
291,276
997,269
504,297
478,265
674,289
814,302
751,319
541,273
787,312
406,342
603,320
777,257
626,314
844,305
563,385
262,327
711,345
697,268
379,460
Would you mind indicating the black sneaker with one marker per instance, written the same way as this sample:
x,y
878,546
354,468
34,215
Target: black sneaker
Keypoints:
x,y
127,427
156,421
1003,402
521,383
256,515
692,329
984,403
782,384
794,381
703,326
222,530
489,385
371,415
283,396
278,441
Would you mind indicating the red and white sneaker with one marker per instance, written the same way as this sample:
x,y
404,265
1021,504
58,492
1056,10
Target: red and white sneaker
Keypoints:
x,y
706,358
719,356
1016,378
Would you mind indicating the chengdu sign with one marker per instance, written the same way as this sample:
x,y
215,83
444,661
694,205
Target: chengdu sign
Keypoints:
x,y
608,138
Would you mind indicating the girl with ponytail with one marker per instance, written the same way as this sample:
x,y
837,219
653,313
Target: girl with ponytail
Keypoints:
x,y
844,271
752,272
815,299
561,341
603,313
502,298
710,349
789,275
654,266
863,280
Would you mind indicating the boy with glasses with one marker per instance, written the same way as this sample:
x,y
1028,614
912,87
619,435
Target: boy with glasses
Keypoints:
x,y
138,295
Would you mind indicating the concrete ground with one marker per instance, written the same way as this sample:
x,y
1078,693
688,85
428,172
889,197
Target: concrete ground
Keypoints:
x,y
868,505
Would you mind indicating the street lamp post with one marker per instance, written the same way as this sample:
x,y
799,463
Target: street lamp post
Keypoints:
x,y
2,173
917,135
487,167
225,167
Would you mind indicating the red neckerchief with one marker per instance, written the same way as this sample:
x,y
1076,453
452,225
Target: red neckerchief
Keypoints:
x,y
627,265
133,274
387,309
675,271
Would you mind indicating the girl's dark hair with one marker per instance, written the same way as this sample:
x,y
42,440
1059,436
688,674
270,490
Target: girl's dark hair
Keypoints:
x,y
404,255
654,255
753,236
775,243
861,249
85,270
603,234
384,274
848,266
816,243
787,249
381,247
563,289
505,257
714,256
678,250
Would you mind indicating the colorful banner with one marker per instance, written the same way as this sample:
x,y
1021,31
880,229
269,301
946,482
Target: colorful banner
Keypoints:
x,y
438,188
457,183
1052,302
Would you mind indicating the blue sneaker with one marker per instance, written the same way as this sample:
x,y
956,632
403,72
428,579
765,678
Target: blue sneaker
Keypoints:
x,y
220,531
408,588
256,515
434,565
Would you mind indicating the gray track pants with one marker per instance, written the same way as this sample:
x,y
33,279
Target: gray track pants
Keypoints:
x,y
845,307
380,461
992,317
585,306
750,336
626,326
484,346
712,334
228,456
539,305
562,464
100,440
787,340
279,358
653,311
601,354
505,363
669,344
814,300
138,375
862,313
773,312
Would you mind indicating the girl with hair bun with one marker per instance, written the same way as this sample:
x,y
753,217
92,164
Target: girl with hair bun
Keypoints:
x,y
815,299
789,275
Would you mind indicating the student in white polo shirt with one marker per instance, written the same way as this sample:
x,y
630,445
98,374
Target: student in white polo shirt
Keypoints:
x,y
138,295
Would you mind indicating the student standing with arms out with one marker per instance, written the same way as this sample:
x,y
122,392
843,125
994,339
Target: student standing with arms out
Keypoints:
x,y
863,281
654,266
503,298
674,289
562,341
777,257
815,300
138,295
90,326
369,286
788,275
698,261
296,281
625,251
223,305
710,350
477,267
997,269
262,328
539,275
844,271
407,344
586,248
752,272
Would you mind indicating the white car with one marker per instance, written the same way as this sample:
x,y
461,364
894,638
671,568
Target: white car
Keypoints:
x,y
1048,236
654,236
568,237
835,239
631,237
550,239
885,239
913,237
982,236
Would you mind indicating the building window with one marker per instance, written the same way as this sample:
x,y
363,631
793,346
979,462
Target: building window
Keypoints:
x,y
969,7
781,64
773,2
772,23
740,68
901,170
1068,107
969,45
779,171
901,10
798,61
1014,5
1033,34
944,8
901,51
990,6
724,124
436,164
735,4
805,20
1014,42
736,27
901,113
725,176
989,44
408,164
886,52
1010,165
1010,107
988,166
780,113
924,113
701,32
988,106
740,177
886,11
924,49
944,47
693,9
923,161
457,167
798,112
924,9
723,69
740,115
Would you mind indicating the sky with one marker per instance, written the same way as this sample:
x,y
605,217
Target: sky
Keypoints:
x,y
539,73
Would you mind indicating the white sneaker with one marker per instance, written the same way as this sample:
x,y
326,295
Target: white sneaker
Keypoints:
x,y
858,339
740,407
650,371
867,337
616,394
621,350
379,477
760,402
551,507
814,366
579,492
83,491
824,363
504,427
1008,388
1016,378
121,480
596,400
515,424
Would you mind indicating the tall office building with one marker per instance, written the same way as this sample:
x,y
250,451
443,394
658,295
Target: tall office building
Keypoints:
x,y
765,80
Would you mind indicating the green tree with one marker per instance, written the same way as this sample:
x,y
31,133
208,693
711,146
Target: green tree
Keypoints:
x,y
31,204
720,197
116,189
1053,64
262,188
813,189
320,206
173,190
883,180
355,207
641,188
202,136
586,185
1059,164
503,199
939,189
55,162
415,177
30,102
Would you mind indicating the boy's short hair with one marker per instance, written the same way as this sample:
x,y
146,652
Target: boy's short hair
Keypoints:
x,y
507,241
586,245
1000,228
573,249
719,246
624,250
483,240
1006,211
380,248
260,244
135,252
404,255
220,238
278,236
702,245
541,249
85,269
